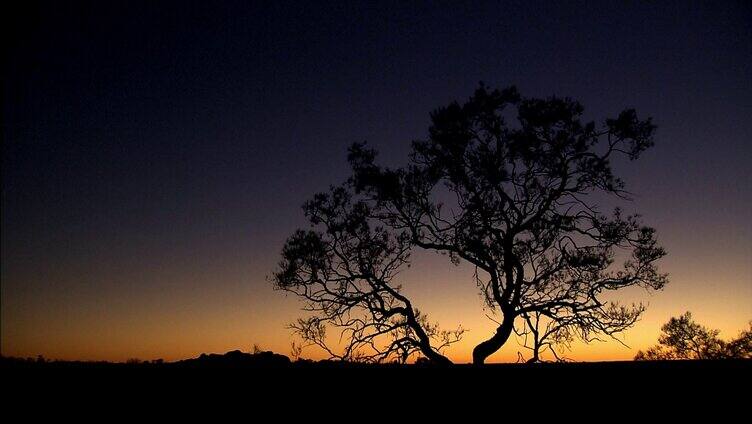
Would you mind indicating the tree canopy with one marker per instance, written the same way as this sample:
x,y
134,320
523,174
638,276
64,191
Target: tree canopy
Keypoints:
x,y
682,338
520,175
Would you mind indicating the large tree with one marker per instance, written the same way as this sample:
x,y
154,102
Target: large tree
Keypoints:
x,y
517,201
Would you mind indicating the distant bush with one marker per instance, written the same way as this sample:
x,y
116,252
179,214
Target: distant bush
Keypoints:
x,y
682,338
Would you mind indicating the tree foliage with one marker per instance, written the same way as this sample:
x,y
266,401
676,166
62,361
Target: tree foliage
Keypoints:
x,y
345,273
682,338
512,199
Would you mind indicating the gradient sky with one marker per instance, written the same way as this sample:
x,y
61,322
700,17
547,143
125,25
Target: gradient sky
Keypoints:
x,y
154,158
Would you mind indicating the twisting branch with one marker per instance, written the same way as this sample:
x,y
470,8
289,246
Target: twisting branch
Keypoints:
x,y
345,274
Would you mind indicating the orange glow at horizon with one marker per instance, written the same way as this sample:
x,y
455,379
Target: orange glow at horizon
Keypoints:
x,y
188,317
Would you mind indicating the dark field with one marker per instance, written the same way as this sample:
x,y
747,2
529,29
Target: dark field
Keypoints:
x,y
616,389
277,370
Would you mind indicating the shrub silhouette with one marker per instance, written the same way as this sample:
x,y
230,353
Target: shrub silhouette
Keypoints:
x,y
682,338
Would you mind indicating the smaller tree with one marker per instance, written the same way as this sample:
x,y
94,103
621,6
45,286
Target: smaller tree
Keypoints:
x,y
540,334
682,338
741,347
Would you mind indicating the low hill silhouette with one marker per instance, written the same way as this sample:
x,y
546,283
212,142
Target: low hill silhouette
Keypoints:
x,y
236,358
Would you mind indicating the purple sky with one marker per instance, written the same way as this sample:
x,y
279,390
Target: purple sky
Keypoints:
x,y
154,159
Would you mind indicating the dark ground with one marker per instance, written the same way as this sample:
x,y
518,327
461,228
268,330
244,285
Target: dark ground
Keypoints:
x,y
691,391
274,377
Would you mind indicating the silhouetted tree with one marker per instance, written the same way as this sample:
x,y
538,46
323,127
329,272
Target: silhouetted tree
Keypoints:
x,y
741,347
682,338
345,273
540,334
516,202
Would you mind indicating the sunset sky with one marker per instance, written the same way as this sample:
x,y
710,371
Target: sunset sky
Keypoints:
x,y
155,158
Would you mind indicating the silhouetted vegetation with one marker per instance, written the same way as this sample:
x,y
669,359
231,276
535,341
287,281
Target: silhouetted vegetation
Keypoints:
x,y
235,358
682,338
514,200
345,274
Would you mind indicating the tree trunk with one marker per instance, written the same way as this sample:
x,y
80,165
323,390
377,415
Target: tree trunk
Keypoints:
x,y
536,350
424,342
436,358
488,347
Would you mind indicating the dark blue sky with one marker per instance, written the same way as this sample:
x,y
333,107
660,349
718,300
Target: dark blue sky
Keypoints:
x,y
139,138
